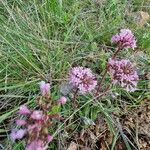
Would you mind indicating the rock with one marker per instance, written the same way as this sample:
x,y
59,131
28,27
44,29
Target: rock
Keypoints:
x,y
140,17
72,146
65,88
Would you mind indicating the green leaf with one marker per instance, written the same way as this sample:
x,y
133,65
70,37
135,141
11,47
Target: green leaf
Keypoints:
x,y
6,115
3,130
94,113
55,109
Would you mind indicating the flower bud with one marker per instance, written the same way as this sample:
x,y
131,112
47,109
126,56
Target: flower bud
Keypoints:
x,y
23,110
37,115
62,100
20,122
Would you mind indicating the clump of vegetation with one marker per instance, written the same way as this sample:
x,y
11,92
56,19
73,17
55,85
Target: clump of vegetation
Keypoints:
x,y
65,46
36,123
82,81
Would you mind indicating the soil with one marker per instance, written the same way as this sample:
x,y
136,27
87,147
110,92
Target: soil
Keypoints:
x,y
135,125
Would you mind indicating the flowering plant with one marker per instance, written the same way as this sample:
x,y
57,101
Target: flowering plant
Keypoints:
x,y
36,123
82,80
122,71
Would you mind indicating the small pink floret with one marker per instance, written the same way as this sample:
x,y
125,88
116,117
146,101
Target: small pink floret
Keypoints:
x,y
62,100
23,110
13,135
37,115
20,122
49,138
83,79
21,133
125,39
45,88
17,134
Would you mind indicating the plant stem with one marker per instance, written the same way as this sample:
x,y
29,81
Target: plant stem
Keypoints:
x,y
106,90
116,52
75,97
106,70
103,77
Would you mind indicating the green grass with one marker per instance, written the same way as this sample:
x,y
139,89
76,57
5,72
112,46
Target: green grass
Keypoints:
x,y
41,40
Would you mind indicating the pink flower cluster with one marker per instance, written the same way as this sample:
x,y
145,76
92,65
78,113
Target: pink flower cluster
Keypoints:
x,y
36,145
36,122
45,88
39,144
35,125
82,79
123,73
125,39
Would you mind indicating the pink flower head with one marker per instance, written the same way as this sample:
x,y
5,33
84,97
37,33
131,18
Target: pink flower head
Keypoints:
x,y
17,134
44,87
123,73
36,145
21,133
37,115
83,79
62,100
49,138
13,135
20,122
125,39
23,110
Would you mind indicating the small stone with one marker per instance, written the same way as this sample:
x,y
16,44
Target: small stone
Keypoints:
x,y
148,75
72,146
65,88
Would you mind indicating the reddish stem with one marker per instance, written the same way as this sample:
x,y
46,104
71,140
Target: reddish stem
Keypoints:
x,y
117,51
75,97
106,70
106,90
103,77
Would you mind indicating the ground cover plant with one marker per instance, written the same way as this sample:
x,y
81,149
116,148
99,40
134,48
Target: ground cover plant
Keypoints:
x,y
74,75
